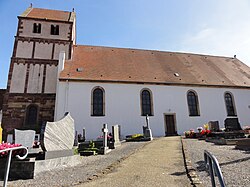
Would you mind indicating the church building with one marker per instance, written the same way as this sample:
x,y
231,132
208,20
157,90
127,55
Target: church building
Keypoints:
x,y
97,85
29,100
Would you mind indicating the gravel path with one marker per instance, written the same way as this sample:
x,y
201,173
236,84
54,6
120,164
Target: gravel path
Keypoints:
x,y
235,164
158,164
92,167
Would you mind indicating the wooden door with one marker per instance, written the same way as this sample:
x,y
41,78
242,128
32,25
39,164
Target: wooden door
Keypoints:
x,y
170,126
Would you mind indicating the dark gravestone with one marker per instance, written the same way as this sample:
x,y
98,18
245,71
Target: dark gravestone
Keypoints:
x,y
83,134
243,144
214,126
232,124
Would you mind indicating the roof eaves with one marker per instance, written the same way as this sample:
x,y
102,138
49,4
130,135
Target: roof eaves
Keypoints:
x,y
154,83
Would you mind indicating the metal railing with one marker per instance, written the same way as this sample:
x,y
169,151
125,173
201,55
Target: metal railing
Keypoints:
x,y
7,167
213,167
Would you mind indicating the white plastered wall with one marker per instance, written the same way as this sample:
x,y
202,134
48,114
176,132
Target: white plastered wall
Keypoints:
x,y
18,78
24,49
35,81
27,31
59,48
122,106
43,50
50,81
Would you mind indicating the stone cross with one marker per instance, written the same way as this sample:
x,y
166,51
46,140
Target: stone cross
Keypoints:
x,y
105,139
147,131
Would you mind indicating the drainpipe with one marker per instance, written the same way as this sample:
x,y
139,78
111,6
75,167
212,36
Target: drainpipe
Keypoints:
x,y
60,68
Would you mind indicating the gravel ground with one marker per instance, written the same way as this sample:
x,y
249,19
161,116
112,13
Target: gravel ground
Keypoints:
x,y
235,164
92,167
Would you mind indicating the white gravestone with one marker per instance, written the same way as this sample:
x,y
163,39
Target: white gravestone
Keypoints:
x,y
59,135
25,137
115,135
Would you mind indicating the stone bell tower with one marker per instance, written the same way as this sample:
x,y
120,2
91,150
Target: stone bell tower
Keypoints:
x,y
31,89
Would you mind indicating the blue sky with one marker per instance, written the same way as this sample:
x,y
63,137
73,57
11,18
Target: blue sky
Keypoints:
x,y
217,27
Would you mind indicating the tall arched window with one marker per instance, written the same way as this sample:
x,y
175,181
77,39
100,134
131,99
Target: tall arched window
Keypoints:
x,y
98,102
193,104
229,104
146,103
31,115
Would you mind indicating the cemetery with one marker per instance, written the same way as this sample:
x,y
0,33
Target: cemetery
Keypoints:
x,y
232,134
59,145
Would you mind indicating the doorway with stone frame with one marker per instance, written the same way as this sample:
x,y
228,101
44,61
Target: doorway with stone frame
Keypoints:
x,y
170,124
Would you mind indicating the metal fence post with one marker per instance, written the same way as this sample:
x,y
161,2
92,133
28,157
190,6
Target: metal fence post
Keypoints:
x,y
213,167
7,167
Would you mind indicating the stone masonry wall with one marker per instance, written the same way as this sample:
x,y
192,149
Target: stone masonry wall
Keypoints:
x,y
14,110
2,92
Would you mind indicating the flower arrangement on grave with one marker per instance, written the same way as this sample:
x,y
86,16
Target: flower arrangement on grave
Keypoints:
x,y
36,144
91,144
100,138
205,132
206,126
135,137
199,129
90,150
4,146
190,133
246,129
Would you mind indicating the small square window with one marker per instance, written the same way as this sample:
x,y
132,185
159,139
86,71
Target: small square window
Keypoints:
x,y
54,30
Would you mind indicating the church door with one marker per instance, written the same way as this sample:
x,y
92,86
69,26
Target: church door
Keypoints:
x,y
170,126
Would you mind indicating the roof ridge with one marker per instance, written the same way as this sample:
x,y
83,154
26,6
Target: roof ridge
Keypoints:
x,y
52,10
155,50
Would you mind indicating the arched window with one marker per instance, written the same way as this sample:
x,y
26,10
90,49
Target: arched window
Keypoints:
x,y
229,104
193,105
31,115
146,103
98,102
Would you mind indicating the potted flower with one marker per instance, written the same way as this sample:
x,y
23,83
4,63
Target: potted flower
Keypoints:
x,y
199,129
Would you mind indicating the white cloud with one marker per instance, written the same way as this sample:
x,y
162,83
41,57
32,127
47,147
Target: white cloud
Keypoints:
x,y
220,41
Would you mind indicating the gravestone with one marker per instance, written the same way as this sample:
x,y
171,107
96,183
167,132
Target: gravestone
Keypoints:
x,y
24,137
214,126
105,149
83,134
147,133
58,138
10,138
243,144
120,137
76,139
116,138
232,124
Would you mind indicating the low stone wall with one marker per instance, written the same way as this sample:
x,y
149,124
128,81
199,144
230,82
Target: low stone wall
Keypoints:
x,y
29,168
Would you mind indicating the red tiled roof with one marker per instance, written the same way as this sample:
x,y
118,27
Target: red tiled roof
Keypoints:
x,y
148,66
47,14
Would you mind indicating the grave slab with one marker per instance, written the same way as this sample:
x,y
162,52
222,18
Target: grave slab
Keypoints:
x,y
24,137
